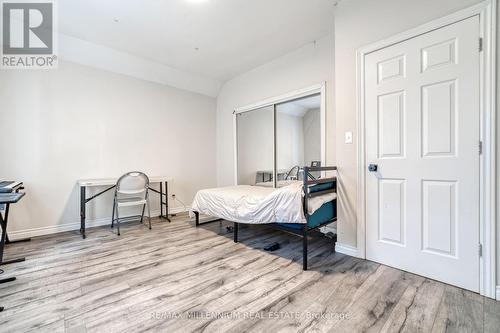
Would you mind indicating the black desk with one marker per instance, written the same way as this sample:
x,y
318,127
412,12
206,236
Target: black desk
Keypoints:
x,y
7,199
11,187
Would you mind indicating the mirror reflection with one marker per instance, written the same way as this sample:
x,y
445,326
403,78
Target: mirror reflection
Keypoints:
x,y
298,138
255,136
297,135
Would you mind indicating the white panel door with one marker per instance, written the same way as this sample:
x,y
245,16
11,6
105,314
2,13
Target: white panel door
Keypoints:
x,y
422,133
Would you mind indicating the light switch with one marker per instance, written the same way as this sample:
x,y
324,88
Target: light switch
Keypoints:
x,y
348,137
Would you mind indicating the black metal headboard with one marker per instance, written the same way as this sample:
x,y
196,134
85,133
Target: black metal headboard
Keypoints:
x,y
307,183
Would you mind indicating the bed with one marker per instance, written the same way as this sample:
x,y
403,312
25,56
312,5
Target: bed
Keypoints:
x,y
300,207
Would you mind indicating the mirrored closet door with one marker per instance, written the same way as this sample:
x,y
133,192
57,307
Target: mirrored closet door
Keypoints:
x,y
298,137
276,141
255,138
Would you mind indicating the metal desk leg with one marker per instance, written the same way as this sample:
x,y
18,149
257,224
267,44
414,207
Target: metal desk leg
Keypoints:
x,y
83,198
12,261
166,202
304,250
161,200
235,232
3,240
7,280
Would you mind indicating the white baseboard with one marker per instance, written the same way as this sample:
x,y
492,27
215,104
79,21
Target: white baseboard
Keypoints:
x,y
498,293
54,229
346,249
175,210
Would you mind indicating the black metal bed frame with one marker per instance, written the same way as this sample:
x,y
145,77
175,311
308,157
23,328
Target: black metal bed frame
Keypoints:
x,y
306,230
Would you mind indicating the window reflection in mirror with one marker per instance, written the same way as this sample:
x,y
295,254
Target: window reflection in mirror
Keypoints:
x,y
255,138
298,138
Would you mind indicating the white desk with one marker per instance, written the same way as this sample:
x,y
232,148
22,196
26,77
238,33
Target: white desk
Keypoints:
x,y
260,176
111,183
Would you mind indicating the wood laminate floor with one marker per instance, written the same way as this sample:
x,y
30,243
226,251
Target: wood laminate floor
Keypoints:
x,y
180,278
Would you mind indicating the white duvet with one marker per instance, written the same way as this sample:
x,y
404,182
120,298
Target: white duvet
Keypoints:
x,y
257,205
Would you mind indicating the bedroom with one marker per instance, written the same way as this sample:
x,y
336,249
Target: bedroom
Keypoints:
x,y
157,87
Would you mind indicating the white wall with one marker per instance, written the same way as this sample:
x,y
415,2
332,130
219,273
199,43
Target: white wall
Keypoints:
x,y
77,122
359,23
82,52
307,66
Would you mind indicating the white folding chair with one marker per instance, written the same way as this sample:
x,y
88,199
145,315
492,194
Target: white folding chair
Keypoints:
x,y
293,173
131,190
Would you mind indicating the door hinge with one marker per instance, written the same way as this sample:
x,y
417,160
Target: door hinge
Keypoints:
x,y
480,44
480,147
480,250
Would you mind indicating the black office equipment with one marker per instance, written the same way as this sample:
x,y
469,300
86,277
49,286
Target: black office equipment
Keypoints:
x,y
10,186
315,164
4,186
